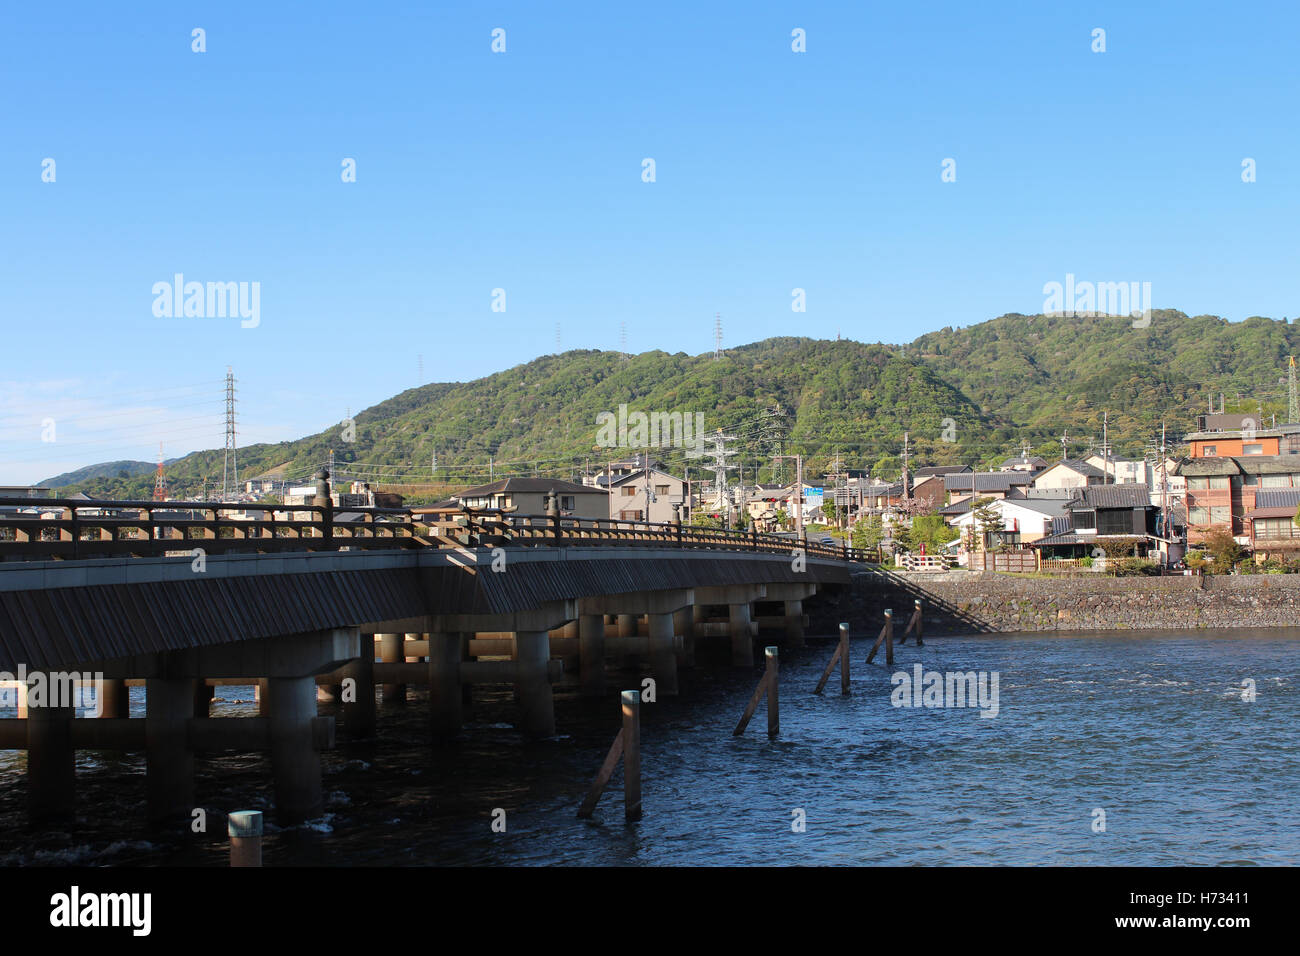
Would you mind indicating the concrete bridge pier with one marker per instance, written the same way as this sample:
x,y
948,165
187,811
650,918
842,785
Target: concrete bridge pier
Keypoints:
x,y
663,653
359,711
536,702
51,764
792,596
738,598
169,762
591,654
684,626
445,697
390,652
203,694
114,698
295,763
659,645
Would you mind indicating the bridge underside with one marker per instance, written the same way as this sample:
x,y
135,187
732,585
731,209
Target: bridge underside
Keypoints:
x,y
447,619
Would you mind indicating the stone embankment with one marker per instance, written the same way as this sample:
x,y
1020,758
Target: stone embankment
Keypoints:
x,y
966,601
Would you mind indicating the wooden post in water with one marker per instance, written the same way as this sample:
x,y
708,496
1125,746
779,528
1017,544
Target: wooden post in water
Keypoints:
x,y
842,655
919,616
773,696
631,755
627,745
245,828
886,635
844,659
766,685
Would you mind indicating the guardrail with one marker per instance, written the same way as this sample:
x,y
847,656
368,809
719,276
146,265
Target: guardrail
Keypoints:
x,y
73,529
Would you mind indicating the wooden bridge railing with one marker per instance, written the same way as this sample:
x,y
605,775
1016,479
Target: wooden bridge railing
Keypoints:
x,y
71,529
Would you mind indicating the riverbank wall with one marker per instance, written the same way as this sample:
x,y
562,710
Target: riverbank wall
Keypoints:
x,y
962,602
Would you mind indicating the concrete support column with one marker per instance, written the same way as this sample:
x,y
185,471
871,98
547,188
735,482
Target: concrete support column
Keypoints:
x,y
445,715
51,764
794,624
390,652
627,625
742,643
536,704
663,656
259,696
169,763
359,696
591,654
466,690
684,624
203,695
295,764
114,698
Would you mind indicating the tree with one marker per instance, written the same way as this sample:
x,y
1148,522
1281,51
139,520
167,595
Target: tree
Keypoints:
x,y
1223,550
868,533
987,518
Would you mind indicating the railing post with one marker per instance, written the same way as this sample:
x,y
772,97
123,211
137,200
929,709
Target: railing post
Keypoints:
x,y
326,503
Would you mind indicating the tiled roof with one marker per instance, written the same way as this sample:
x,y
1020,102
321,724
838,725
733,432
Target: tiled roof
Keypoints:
x,y
1278,498
1128,495
529,486
985,481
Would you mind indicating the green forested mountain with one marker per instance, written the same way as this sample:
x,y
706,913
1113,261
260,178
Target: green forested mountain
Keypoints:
x,y
987,387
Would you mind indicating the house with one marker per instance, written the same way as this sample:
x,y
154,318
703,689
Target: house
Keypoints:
x,y
1069,473
1122,471
1025,463
24,491
1116,513
616,470
1221,490
648,495
1238,435
1271,523
991,484
931,471
1023,520
527,496
929,493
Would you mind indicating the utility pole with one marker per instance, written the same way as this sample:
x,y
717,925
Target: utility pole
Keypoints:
x,y
1105,448
905,461
1065,438
1293,397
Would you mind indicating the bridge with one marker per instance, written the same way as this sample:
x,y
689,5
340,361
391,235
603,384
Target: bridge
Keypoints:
x,y
310,602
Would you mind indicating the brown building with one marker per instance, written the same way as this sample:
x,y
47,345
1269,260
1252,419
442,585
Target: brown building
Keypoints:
x,y
1221,490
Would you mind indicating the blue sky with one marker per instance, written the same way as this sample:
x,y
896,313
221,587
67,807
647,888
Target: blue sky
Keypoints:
x,y
522,170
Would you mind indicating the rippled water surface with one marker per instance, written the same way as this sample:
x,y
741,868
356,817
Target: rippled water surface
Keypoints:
x,y
1151,729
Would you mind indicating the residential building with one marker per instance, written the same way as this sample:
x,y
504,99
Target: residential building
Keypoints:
x,y
1271,522
1069,473
527,496
1221,490
991,484
1023,520
1024,462
1239,435
648,495
1117,513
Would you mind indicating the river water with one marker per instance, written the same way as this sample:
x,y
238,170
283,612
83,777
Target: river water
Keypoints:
x,y
1145,732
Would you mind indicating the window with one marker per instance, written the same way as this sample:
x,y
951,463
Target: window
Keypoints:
x,y
1250,480
566,502
1219,483
1198,516
1210,451
1255,449
629,491
1275,481
629,516
1220,515
1198,484
661,489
